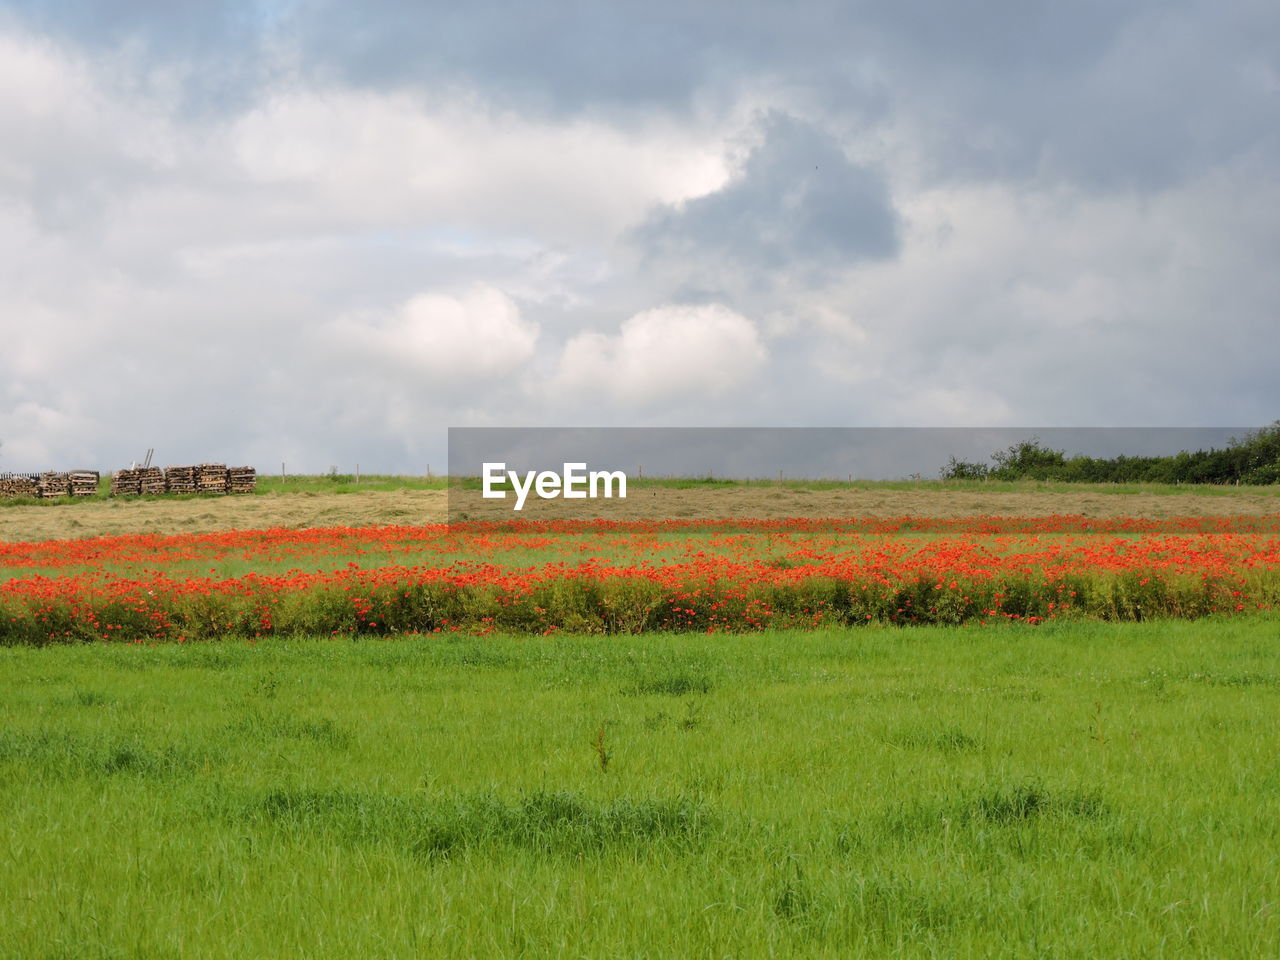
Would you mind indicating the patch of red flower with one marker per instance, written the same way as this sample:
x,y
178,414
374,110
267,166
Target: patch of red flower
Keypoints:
x,y
631,576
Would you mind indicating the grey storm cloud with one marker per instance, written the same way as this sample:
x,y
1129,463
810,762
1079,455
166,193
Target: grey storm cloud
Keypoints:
x,y
223,51
797,202
1122,95
1112,95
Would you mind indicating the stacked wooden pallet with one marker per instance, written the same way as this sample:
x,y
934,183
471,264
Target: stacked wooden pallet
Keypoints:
x,y
84,483
212,478
151,480
53,484
19,485
241,479
126,483
206,478
180,479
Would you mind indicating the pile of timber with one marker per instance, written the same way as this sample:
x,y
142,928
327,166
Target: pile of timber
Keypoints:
x,y
54,484
84,483
212,478
50,484
241,479
19,485
206,478
180,479
134,481
125,483
151,480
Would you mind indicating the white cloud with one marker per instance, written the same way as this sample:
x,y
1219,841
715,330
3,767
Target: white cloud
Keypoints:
x,y
33,434
667,353
392,158
79,133
1011,304
475,335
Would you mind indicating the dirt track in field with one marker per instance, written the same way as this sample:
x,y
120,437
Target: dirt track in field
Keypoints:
x,y
412,507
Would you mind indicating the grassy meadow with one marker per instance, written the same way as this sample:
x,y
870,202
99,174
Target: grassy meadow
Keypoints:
x,y
1084,788
1071,790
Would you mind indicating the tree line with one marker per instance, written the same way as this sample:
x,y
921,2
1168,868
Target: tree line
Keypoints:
x,y
1252,459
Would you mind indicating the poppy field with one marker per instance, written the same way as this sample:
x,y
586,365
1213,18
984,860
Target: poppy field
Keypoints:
x,y
623,577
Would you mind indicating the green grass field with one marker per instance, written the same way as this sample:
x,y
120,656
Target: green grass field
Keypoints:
x,y
1082,790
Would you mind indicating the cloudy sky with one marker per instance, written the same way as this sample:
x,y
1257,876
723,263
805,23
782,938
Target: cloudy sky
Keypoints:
x,y
323,232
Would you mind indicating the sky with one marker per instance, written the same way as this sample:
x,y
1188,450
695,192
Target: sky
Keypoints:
x,y
322,233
